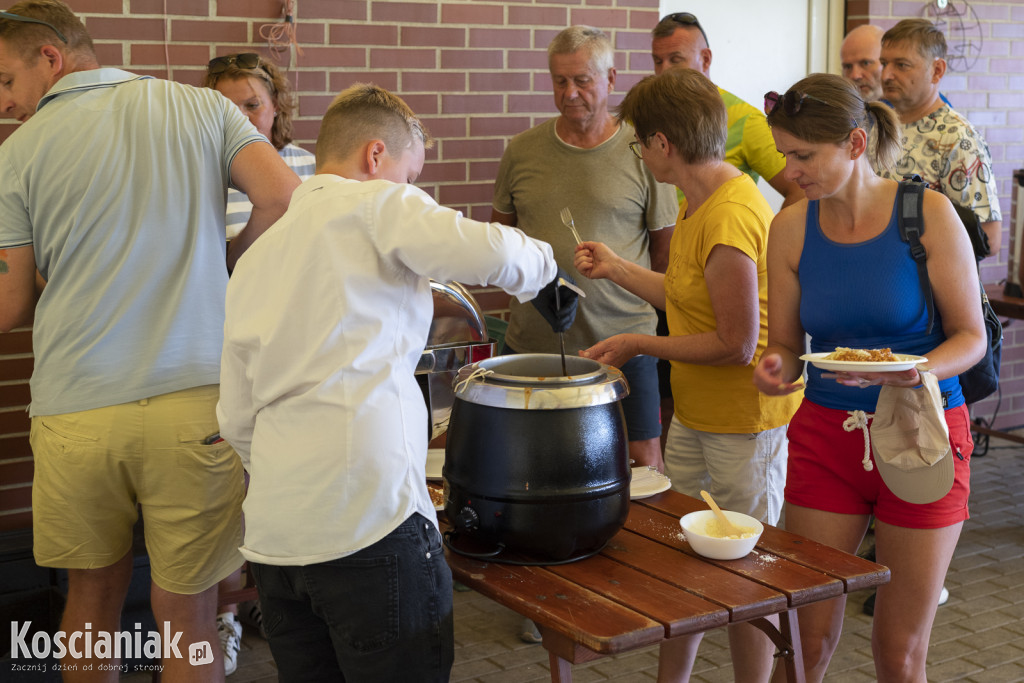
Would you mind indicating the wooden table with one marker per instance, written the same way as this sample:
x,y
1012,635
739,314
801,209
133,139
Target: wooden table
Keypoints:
x,y
1006,307
647,586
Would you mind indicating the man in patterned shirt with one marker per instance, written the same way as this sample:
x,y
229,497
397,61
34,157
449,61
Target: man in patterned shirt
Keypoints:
x,y
939,144
679,41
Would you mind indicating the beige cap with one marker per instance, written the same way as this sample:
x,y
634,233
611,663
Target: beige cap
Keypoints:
x,y
910,442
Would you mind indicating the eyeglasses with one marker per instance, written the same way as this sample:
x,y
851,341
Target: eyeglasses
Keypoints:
x,y
687,19
30,20
635,146
791,102
244,60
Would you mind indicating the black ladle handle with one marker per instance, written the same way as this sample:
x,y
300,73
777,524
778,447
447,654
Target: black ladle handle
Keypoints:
x,y
561,335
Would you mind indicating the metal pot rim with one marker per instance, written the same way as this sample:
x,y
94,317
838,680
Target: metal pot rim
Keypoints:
x,y
480,384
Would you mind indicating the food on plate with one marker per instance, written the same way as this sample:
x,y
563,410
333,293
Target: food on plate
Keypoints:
x,y
436,494
862,355
716,529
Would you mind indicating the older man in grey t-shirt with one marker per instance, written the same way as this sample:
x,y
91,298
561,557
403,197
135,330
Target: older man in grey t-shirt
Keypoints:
x,y
581,160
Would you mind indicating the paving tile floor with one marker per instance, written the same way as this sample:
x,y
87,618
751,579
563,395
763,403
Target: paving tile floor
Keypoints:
x,y
978,635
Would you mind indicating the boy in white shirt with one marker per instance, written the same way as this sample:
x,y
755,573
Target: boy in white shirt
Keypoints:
x,y
327,315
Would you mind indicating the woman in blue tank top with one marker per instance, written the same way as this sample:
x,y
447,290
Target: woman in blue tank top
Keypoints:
x,y
839,272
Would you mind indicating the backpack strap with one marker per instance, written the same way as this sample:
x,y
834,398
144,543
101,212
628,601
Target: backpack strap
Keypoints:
x,y
910,219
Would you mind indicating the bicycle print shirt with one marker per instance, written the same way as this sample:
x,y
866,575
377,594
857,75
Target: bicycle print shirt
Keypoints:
x,y
953,158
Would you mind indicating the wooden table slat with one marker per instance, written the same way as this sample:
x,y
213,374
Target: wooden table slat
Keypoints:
x,y
593,621
743,598
854,572
801,584
648,595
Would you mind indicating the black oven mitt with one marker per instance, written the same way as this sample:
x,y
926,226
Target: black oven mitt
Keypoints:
x,y
561,314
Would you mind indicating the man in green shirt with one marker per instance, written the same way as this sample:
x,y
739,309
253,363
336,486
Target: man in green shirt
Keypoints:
x,y
679,41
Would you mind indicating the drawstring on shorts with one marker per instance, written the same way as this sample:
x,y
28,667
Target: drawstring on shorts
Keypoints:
x,y
859,420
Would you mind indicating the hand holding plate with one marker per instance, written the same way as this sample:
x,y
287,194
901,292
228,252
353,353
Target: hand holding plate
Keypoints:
x,y
862,380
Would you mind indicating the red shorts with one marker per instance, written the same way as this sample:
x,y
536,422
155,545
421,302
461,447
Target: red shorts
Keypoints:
x,y
826,471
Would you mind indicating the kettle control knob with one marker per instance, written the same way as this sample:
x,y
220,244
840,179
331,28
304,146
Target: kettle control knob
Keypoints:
x,y
467,519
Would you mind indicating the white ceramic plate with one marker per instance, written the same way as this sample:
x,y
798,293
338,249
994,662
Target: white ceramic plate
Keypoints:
x,y
647,482
904,362
435,462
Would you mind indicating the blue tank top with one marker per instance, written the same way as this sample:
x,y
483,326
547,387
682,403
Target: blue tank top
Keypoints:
x,y
864,295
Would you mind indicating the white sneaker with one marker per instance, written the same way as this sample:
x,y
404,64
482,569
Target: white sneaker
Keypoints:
x,y
229,631
943,596
251,615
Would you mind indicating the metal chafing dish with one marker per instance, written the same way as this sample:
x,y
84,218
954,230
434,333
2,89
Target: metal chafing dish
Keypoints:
x,y
458,336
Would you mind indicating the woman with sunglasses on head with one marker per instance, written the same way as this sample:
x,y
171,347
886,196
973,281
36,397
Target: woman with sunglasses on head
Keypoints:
x,y
725,437
260,90
839,271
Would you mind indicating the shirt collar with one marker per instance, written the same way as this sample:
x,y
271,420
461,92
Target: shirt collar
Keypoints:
x,y
87,80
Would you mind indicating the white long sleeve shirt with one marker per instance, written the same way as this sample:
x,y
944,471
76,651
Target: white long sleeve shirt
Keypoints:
x,y
327,315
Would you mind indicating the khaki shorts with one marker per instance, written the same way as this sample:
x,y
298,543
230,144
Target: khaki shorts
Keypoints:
x,y
95,469
743,472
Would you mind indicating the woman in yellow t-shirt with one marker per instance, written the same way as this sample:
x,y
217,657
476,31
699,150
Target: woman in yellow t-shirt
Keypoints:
x,y
725,436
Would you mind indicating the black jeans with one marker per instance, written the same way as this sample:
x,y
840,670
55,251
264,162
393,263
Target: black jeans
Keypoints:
x,y
381,614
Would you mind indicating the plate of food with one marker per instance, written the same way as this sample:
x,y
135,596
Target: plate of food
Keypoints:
x,y
647,481
436,492
862,360
435,462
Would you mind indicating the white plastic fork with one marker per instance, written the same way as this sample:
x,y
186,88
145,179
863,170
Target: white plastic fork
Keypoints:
x,y
567,220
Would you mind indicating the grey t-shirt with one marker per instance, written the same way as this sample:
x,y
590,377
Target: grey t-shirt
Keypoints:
x,y
118,183
613,198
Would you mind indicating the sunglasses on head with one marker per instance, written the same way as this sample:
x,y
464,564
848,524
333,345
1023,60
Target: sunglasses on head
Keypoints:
x,y
244,60
30,20
687,19
791,102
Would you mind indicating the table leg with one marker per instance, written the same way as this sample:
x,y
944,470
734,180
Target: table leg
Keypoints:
x,y
561,670
563,653
787,638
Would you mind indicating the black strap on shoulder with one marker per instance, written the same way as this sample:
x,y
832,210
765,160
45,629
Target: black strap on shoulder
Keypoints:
x,y
910,219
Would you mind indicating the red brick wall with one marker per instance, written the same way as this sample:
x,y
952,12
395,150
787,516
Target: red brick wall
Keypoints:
x,y
991,94
475,70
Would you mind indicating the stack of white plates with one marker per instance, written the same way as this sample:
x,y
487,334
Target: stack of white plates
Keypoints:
x,y
647,481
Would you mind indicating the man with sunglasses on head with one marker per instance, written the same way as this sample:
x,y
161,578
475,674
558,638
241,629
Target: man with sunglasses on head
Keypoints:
x,y
113,191
680,41
939,144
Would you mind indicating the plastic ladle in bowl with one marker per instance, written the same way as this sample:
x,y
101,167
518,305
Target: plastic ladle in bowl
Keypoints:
x,y
728,528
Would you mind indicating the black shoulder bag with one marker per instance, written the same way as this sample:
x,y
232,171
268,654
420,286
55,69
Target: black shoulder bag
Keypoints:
x,y
981,380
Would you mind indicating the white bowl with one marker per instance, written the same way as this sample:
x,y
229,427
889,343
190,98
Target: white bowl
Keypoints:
x,y
695,527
